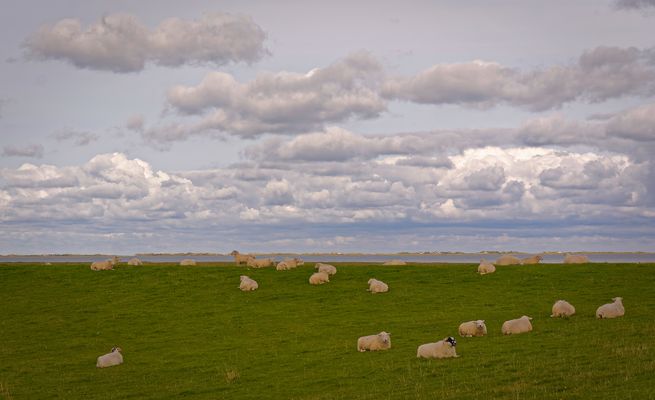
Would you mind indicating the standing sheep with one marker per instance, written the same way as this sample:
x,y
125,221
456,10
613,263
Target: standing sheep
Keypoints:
x,y
611,310
532,260
508,260
260,263
381,341
247,284
110,359
289,263
562,308
515,326
376,286
442,349
486,267
575,259
240,258
134,262
473,328
327,268
319,278
103,265
187,262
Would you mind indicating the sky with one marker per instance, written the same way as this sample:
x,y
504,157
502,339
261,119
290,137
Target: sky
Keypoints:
x,y
313,126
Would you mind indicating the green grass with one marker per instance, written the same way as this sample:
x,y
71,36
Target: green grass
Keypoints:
x,y
188,332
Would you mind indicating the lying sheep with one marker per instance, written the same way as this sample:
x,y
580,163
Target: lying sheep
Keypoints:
x,y
247,284
442,349
240,258
327,268
376,286
532,260
473,328
519,325
134,262
611,310
395,262
187,262
562,308
319,278
508,260
486,267
289,263
110,359
381,341
575,259
260,263
103,265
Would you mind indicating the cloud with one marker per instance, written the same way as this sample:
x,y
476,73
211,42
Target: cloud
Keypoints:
x,y
31,150
77,137
600,74
636,124
121,43
135,123
634,4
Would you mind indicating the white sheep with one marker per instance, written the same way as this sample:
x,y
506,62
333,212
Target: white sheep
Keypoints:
x,y
134,262
575,259
531,260
247,284
327,268
376,286
110,359
187,262
473,328
260,263
486,267
442,349
519,325
394,262
508,260
289,263
319,278
611,310
381,341
562,308
103,265
241,258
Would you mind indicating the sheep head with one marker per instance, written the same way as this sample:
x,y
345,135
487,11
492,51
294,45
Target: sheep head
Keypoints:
x,y
451,340
385,337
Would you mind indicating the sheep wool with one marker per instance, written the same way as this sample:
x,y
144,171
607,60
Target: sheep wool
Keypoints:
x,y
442,349
531,260
327,268
319,278
611,310
486,267
187,262
240,258
575,259
508,260
103,265
376,286
516,326
134,262
260,263
394,262
110,359
562,308
247,284
289,263
473,328
381,341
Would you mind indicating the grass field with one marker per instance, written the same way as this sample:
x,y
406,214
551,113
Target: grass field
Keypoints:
x,y
188,332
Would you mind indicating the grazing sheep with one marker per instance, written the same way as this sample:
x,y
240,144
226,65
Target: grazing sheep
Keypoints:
x,y
110,359
247,284
376,286
519,325
442,349
289,263
562,308
575,259
473,328
260,263
486,267
532,260
240,258
508,260
381,341
319,278
187,262
134,262
395,262
611,310
103,265
327,268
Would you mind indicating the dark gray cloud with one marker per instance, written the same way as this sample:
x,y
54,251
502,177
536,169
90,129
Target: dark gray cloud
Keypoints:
x,y
634,4
121,43
78,138
30,150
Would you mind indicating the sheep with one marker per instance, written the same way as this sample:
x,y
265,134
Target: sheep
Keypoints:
x,y
395,262
381,341
241,258
519,325
531,260
134,261
187,262
508,260
486,267
327,268
110,359
611,310
289,263
247,284
260,263
472,328
376,286
575,259
562,308
442,349
103,265
319,278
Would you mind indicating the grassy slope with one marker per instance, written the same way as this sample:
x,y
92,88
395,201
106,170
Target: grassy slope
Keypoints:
x,y
188,331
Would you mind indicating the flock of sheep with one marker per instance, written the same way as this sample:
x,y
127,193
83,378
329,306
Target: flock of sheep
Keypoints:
x,y
382,341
